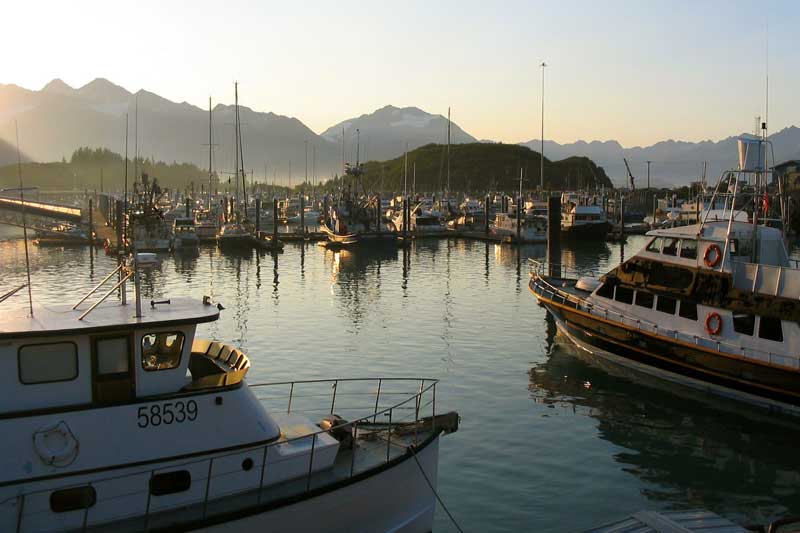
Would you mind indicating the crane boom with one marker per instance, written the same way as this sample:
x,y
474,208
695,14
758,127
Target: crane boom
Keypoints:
x,y
630,175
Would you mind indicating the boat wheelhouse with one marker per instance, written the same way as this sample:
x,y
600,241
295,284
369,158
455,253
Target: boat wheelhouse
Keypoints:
x,y
184,230
533,229
123,420
714,305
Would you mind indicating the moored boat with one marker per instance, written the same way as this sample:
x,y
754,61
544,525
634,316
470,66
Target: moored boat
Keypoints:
x,y
714,305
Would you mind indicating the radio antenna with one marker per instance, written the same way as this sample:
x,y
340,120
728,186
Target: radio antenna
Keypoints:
x,y
24,224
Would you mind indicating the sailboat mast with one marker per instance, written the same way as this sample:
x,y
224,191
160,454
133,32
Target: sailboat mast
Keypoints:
x,y
448,149
210,171
236,145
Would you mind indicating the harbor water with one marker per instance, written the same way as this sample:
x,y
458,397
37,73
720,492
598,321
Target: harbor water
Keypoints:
x,y
549,440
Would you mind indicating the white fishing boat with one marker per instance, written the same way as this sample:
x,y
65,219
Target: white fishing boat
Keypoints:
x,y
714,305
184,231
117,418
532,229
581,216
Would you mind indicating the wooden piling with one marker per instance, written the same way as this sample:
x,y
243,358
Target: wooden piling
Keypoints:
x,y
519,219
554,236
118,217
486,206
91,222
274,221
621,218
302,213
188,208
258,214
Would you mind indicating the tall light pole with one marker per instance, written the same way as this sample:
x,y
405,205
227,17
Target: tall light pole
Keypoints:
x,y
541,154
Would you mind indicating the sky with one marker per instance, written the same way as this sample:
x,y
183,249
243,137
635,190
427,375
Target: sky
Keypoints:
x,y
635,71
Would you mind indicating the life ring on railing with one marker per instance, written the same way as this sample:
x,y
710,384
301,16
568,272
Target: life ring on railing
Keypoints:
x,y
713,323
56,445
712,260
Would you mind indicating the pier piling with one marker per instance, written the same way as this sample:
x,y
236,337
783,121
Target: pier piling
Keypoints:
x,y
486,206
554,236
302,213
274,221
519,219
258,214
91,223
188,208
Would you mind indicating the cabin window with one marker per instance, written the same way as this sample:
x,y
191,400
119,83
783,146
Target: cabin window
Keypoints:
x,y
689,249
72,499
670,247
624,295
170,482
162,351
112,355
655,245
770,328
743,323
47,363
644,299
688,310
665,304
606,290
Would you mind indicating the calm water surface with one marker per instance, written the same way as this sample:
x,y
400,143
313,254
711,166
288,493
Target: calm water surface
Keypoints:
x,y
548,441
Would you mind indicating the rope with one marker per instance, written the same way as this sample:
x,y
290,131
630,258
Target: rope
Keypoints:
x,y
438,498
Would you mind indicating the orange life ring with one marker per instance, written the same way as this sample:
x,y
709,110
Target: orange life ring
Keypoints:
x,y
708,260
717,320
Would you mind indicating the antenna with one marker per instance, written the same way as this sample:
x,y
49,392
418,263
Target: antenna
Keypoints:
x,y
24,225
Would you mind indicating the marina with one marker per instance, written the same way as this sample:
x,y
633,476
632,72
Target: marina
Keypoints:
x,y
420,268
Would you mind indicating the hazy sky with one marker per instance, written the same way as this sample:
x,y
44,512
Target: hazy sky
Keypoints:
x,y
636,71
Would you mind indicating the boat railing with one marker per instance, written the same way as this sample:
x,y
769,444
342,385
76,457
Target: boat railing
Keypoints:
x,y
405,407
543,268
542,287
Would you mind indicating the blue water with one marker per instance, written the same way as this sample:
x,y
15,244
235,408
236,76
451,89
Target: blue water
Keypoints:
x,y
548,442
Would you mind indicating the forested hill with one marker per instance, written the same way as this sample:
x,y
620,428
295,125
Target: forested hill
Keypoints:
x,y
87,166
479,167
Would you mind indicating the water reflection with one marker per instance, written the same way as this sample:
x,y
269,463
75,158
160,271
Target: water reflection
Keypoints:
x,y
356,278
686,453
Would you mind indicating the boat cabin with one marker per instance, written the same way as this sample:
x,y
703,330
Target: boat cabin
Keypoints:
x,y
56,359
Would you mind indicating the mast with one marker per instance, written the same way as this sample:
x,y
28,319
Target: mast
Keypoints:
x,y
210,163
236,146
448,149
24,224
541,154
405,172
241,151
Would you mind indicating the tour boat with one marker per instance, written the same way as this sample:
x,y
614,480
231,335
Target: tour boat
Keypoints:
x,y
117,418
713,305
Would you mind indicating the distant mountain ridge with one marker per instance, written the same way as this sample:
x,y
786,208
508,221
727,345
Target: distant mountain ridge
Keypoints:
x,y
385,133
673,162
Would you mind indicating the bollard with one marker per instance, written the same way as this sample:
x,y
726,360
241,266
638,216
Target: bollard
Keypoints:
x,y
554,236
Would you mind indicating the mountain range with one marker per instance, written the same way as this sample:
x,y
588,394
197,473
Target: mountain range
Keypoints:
x,y
58,119
672,162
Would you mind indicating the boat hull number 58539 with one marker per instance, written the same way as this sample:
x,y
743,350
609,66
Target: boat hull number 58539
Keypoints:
x,y
166,413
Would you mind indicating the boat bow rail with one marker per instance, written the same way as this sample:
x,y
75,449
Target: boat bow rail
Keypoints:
x,y
400,417
543,287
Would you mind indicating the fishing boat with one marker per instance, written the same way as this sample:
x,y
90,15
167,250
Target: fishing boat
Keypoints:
x,y
581,216
150,231
207,227
117,417
423,221
184,230
713,305
532,229
61,235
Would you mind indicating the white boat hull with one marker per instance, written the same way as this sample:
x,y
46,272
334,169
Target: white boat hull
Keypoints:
x,y
396,499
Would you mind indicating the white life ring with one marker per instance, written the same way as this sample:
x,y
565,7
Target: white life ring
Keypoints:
x,y
56,445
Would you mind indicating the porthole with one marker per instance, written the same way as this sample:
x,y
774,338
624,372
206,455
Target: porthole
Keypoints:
x,y
72,499
170,482
247,464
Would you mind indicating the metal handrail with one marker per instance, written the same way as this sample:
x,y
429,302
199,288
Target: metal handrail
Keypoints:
x,y
541,267
426,385
642,324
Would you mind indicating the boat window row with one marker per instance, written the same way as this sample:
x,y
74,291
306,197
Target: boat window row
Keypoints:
x,y
664,304
84,497
58,361
769,328
673,246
